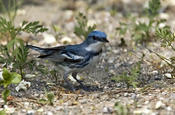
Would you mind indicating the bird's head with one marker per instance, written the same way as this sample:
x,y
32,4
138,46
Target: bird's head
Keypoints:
x,y
95,41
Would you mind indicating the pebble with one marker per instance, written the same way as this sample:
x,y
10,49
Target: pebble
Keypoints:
x,y
49,113
1,77
146,102
154,72
30,112
48,38
29,76
169,108
23,85
111,60
107,110
66,40
9,109
26,104
40,110
159,105
144,111
133,96
83,101
58,108
168,75
125,94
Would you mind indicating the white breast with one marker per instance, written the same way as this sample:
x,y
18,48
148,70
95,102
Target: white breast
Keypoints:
x,y
95,47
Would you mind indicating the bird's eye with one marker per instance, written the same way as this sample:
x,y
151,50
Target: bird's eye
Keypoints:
x,y
94,38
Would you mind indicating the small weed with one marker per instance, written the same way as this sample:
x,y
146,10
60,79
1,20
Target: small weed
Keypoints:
x,y
143,32
50,98
167,38
153,8
122,29
121,109
15,52
58,32
2,112
10,7
82,29
130,79
8,79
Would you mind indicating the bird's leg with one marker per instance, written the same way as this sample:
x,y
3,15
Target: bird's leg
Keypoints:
x,y
66,80
74,75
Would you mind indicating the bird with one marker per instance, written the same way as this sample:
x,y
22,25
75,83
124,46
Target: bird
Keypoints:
x,y
77,58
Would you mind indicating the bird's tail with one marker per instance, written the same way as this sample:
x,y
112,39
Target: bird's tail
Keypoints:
x,y
45,52
42,51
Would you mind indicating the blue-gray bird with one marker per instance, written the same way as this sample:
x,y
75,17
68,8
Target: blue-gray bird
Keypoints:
x,y
75,58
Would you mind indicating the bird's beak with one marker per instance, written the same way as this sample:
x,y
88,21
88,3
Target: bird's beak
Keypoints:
x,y
105,40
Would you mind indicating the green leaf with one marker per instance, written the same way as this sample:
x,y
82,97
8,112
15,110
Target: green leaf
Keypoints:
x,y
2,112
5,94
16,78
7,76
50,97
43,101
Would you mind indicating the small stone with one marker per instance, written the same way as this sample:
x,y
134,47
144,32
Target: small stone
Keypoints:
x,y
9,109
1,77
133,96
91,22
23,110
40,110
49,113
83,101
111,60
23,85
168,75
29,76
125,94
30,112
26,104
48,38
169,108
107,110
112,72
66,40
58,108
146,102
21,12
159,105
154,72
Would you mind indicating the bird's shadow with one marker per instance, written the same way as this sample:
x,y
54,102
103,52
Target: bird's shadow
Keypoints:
x,y
88,88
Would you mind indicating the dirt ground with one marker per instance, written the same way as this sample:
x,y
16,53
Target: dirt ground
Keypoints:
x,y
155,96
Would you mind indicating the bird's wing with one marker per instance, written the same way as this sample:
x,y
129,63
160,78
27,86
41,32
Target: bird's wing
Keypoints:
x,y
68,56
59,54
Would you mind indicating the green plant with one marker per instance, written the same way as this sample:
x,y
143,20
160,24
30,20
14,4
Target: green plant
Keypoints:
x,y
167,38
8,79
130,79
82,29
15,52
58,32
9,7
153,8
50,98
143,32
2,112
121,109
122,29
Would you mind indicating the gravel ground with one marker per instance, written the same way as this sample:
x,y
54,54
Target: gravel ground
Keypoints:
x,y
154,96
